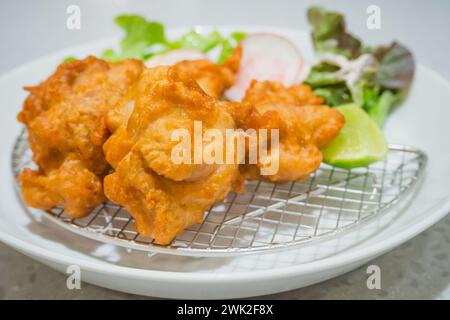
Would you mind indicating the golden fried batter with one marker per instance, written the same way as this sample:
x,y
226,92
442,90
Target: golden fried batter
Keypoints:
x,y
305,126
64,116
165,197
211,77
71,185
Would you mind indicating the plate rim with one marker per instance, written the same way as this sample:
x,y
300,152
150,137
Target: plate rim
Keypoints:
x,y
334,261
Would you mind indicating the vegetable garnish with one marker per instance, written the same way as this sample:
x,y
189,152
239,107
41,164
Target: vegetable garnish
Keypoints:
x,y
360,142
144,39
330,34
266,57
69,59
376,79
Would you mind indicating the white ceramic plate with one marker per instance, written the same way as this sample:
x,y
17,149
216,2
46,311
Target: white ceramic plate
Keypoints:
x,y
422,121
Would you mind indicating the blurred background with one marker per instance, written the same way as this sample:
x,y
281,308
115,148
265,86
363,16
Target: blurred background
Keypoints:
x,y
30,29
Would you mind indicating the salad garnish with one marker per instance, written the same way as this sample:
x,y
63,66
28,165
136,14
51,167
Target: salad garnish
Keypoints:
x,y
144,39
349,72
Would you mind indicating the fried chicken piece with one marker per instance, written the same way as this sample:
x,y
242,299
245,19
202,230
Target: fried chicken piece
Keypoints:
x,y
165,196
212,78
267,92
305,126
64,116
71,185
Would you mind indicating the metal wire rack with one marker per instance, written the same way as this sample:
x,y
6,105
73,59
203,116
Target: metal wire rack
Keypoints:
x,y
266,216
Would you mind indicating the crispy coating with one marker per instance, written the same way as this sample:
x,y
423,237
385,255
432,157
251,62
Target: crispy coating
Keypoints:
x,y
64,116
71,185
164,196
211,77
305,126
267,92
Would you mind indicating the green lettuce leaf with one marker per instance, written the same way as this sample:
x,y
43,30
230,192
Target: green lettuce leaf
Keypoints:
x,y
382,106
141,38
207,42
144,39
69,59
335,95
195,40
229,44
238,36
323,74
326,84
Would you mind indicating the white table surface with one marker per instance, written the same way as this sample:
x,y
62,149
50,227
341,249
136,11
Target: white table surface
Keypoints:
x,y
30,29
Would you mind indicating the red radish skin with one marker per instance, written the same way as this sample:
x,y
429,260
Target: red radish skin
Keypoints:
x,y
173,57
269,57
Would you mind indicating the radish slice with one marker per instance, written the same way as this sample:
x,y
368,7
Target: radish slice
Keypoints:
x,y
173,57
304,72
269,57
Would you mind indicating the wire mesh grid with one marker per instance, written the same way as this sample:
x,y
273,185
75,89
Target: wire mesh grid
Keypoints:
x,y
266,216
